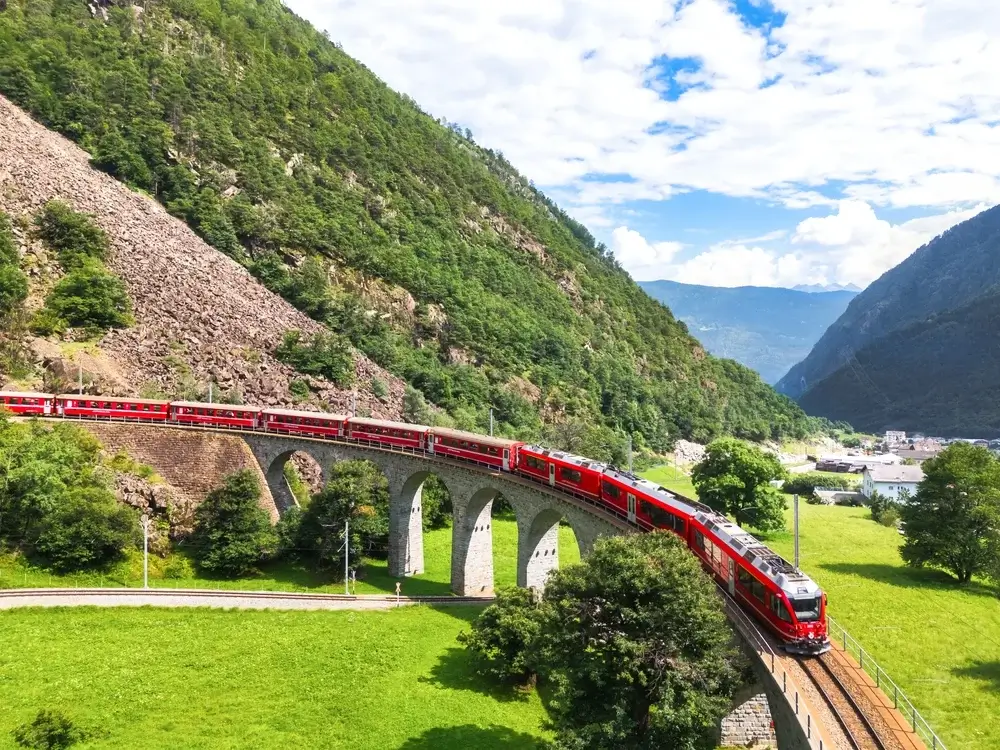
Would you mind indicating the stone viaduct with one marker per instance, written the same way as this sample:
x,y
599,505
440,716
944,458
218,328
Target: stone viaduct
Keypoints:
x,y
538,510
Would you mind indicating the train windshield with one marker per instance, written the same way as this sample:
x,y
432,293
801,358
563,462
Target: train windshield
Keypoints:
x,y
806,610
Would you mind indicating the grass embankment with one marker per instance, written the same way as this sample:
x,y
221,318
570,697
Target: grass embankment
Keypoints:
x,y
155,678
284,576
939,641
673,479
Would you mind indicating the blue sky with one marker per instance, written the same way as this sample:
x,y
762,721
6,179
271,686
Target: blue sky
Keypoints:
x,y
716,142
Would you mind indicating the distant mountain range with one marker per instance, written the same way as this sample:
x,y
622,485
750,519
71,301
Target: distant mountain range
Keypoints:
x,y
766,328
817,288
918,349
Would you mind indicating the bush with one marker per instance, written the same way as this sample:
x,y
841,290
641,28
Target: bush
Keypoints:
x,y
287,531
73,236
325,354
8,248
91,297
889,517
504,637
806,484
178,567
46,322
49,730
86,529
232,532
881,505
13,288
379,388
299,389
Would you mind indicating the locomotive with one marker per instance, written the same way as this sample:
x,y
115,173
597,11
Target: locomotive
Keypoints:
x,y
778,595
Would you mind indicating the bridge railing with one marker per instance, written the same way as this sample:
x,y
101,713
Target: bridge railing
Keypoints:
x,y
900,701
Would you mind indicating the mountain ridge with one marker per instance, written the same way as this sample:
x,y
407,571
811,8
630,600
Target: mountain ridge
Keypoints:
x,y
768,329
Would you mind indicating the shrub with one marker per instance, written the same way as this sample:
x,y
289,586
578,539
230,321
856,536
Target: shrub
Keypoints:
x,y
379,388
86,529
13,288
178,567
503,638
324,353
49,730
73,236
288,531
880,505
91,297
8,248
299,389
46,322
232,532
889,516
806,484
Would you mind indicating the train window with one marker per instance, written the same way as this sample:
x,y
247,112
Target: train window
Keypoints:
x,y
610,489
806,610
699,540
779,609
570,475
660,518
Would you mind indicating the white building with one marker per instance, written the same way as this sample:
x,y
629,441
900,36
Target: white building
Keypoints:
x,y
888,481
894,437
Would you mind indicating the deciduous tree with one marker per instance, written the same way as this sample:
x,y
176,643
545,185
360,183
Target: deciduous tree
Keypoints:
x,y
734,478
953,522
504,638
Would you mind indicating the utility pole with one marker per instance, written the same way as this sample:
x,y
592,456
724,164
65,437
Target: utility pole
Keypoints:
x,y
347,550
491,421
145,520
79,369
354,403
209,391
629,454
795,501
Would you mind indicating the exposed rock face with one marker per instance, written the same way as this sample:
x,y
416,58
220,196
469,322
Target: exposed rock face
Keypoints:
x,y
687,452
199,315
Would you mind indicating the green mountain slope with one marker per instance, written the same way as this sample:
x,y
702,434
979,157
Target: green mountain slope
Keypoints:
x,y
937,376
434,256
765,328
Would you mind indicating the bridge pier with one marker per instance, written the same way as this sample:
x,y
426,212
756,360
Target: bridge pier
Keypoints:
x,y
472,544
406,526
537,548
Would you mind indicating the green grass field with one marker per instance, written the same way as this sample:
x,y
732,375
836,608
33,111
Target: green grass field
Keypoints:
x,y
284,576
940,642
155,678
671,478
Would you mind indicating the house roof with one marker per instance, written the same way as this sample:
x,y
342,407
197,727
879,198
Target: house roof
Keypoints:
x,y
896,473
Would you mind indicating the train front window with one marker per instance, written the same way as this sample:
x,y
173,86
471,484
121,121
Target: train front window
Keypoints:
x,y
806,610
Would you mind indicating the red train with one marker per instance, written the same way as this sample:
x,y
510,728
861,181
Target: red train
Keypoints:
x,y
789,603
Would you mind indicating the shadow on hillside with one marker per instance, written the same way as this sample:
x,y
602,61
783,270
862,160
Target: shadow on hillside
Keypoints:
x,y
983,671
454,672
905,577
471,737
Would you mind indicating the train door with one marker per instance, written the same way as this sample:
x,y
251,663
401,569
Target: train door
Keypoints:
x,y
552,474
631,508
431,441
46,406
732,577
506,459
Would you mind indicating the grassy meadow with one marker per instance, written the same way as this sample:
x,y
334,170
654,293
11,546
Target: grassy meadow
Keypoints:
x,y
198,678
285,576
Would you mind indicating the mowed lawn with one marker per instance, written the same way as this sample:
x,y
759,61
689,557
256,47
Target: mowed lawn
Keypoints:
x,y
294,577
939,641
198,678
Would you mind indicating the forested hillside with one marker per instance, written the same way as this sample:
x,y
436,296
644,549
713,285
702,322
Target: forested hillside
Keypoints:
x,y
945,274
431,255
938,376
765,328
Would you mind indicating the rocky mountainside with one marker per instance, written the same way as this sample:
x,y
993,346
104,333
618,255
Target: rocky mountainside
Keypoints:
x,y
945,274
765,328
917,350
198,313
430,254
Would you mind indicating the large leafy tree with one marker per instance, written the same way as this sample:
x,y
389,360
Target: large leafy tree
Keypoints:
x,y
504,638
232,532
86,529
953,522
639,649
734,478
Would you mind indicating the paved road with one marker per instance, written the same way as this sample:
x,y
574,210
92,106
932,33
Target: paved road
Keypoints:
x,y
15,598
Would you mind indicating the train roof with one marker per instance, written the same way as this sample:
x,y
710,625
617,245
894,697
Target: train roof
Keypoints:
x,y
120,399
365,421
474,437
26,394
216,406
568,458
309,414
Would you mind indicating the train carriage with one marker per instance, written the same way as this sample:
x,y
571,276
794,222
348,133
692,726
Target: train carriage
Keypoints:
x,y
109,407
39,404
401,434
645,503
574,474
215,415
309,423
490,451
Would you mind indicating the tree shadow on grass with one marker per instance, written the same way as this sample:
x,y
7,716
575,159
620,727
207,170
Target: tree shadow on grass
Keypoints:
x,y
376,574
906,577
471,737
983,671
454,671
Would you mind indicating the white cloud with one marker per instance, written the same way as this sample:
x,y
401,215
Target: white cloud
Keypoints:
x,y
851,246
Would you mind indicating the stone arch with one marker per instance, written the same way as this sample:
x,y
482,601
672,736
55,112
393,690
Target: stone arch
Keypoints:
x,y
406,526
538,547
275,475
472,544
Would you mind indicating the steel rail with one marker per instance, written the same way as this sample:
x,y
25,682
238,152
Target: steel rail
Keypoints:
x,y
808,666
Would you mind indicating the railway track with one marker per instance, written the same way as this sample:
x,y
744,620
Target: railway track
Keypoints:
x,y
855,722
